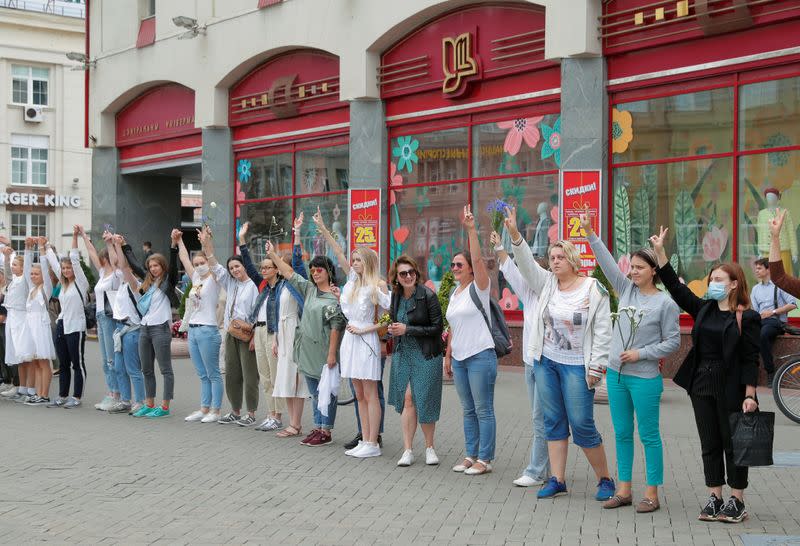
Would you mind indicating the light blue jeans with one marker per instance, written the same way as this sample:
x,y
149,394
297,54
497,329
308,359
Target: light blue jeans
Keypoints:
x,y
105,338
321,421
474,378
128,368
204,342
539,465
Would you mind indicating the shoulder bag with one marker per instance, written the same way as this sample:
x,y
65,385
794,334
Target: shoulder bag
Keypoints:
x,y
238,328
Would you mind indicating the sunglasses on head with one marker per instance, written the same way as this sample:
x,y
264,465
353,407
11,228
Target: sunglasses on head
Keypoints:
x,y
456,265
406,274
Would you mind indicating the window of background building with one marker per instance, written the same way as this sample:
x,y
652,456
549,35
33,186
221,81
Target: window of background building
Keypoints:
x,y
26,225
279,184
513,157
675,162
29,84
29,156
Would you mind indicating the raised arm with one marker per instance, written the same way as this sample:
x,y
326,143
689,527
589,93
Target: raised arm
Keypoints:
x,y
80,277
207,243
782,280
478,265
283,268
183,255
113,258
124,264
7,252
43,263
508,268
604,258
684,297
297,261
95,259
172,276
531,271
249,266
344,263
27,261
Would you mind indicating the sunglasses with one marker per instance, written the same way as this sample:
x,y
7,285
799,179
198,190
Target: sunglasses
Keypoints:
x,y
318,270
456,265
406,274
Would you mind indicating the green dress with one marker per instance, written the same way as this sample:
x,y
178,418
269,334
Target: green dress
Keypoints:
x,y
321,314
409,365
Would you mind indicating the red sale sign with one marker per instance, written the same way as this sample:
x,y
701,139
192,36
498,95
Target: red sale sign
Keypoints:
x,y
365,219
580,193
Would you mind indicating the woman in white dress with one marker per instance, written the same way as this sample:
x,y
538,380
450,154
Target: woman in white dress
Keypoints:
x,y
363,298
38,322
18,344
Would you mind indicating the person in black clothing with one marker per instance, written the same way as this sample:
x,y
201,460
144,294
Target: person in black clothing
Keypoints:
x,y
719,373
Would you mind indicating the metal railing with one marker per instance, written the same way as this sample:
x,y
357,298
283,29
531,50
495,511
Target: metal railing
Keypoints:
x,y
52,7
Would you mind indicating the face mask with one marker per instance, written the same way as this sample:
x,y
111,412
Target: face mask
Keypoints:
x,y
716,291
202,270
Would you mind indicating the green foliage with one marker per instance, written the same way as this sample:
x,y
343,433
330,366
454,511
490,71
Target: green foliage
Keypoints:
x,y
674,262
182,306
598,274
640,226
90,276
622,222
685,228
445,288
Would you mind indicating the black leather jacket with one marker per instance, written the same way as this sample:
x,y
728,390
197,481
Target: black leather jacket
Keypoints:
x,y
424,319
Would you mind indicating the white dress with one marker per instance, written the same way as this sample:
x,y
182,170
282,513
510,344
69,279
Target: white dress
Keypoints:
x,y
361,355
288,382
38,326
18,343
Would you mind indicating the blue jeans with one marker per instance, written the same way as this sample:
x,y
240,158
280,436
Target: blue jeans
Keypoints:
x,y
204,343
320,421
539,465
380,398
567,402
474,378
128,368
628,394
105,338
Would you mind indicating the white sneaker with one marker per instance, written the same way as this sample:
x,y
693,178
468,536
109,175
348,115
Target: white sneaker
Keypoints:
x,y
527,481
430,456
8,393
351,452
195,416
368,450
211,417
407,459
105,404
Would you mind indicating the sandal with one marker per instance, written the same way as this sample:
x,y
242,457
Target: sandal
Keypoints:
x,y
473,471
647,505
617,501
289,431
465,464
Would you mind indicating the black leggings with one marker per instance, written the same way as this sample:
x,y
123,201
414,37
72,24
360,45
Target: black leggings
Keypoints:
x,y
69,348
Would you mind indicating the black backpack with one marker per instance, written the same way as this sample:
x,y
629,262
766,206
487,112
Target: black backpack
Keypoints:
x,y
498,326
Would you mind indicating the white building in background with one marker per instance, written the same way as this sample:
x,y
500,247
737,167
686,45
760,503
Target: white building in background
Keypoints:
x,y
45,170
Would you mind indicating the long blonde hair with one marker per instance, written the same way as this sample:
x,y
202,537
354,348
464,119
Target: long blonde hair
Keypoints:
x,y
370,277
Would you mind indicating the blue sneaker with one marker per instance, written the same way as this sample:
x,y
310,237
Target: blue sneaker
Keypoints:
x,y
605,489
552,488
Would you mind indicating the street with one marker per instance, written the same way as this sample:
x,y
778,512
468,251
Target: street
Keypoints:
x,y
84,476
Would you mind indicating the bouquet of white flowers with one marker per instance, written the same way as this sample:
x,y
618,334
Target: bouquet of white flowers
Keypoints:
x,y
634,317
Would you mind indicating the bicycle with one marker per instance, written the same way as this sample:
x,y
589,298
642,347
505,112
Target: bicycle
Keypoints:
x,y
786,386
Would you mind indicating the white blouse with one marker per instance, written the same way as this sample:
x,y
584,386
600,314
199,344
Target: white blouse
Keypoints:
x,y
74,297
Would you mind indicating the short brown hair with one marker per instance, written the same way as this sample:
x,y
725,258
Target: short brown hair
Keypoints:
x,y
407,260
763,262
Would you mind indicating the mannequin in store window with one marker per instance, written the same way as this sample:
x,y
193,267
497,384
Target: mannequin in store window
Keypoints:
x,y
541,238
788,238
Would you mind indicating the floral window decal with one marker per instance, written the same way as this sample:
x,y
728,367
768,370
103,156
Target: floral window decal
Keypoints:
x,y
552,141
621,130
518,130
244,170
406,152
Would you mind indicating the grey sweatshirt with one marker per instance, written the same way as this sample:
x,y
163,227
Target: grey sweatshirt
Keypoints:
x,y
659,333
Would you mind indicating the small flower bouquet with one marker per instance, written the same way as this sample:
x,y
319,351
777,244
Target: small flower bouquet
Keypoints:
x,y
384,321
497,209
634,317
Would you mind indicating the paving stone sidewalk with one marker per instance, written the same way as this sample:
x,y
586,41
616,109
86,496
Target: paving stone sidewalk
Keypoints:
x,y
87,477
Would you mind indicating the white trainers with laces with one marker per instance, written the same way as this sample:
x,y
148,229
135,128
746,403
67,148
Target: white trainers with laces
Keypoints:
x,y
430,456
211,417
407,459
105,404
351,452
195,416
527,481
368,450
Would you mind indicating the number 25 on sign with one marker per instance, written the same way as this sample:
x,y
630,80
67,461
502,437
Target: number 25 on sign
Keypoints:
x,y
365,235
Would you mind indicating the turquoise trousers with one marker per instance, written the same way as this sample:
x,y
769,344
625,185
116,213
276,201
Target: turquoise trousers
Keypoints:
x,y
629,395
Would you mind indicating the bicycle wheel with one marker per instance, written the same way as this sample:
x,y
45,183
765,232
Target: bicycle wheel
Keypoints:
x,y
346,395
786,389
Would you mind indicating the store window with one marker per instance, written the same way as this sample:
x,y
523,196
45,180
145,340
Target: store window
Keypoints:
x,y
676,162
26,225
273,188
29,85
508,158
29,156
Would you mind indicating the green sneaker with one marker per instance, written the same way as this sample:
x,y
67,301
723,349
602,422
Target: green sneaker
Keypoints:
x,y
144,411
158,412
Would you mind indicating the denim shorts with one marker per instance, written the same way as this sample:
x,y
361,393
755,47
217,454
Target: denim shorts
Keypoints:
x,y
567,403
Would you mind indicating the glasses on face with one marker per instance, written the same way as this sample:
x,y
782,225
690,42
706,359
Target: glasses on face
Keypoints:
x,y
456,265
317,270
267,267
407,274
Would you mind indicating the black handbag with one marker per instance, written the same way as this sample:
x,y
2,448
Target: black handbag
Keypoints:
x,y
751,437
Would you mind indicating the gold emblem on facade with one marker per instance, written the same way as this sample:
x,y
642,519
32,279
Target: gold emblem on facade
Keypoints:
x,y
458,62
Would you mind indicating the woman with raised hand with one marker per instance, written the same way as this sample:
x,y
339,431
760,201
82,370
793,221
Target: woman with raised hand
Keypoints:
x,y
318,333
719,373
204,337
127,365
470,356
241,369
538,469
71,326
362,300
634,381
38,322
777,273
105,289
415,385
569,345
154,298
18,343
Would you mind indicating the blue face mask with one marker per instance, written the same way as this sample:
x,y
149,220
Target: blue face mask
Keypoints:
x,y
716,291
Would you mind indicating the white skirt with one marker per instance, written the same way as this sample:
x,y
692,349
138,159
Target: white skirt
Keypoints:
x,y
360,356
19,344
41,336
288,381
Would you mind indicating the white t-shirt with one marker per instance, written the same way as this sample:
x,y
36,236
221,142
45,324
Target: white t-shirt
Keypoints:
x,y
160,310
124,308
530,302
470,333
205,296
565,324
107,284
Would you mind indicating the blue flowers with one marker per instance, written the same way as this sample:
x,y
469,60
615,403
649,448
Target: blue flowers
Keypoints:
x,y
498,205
405,151
243,170
497,209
